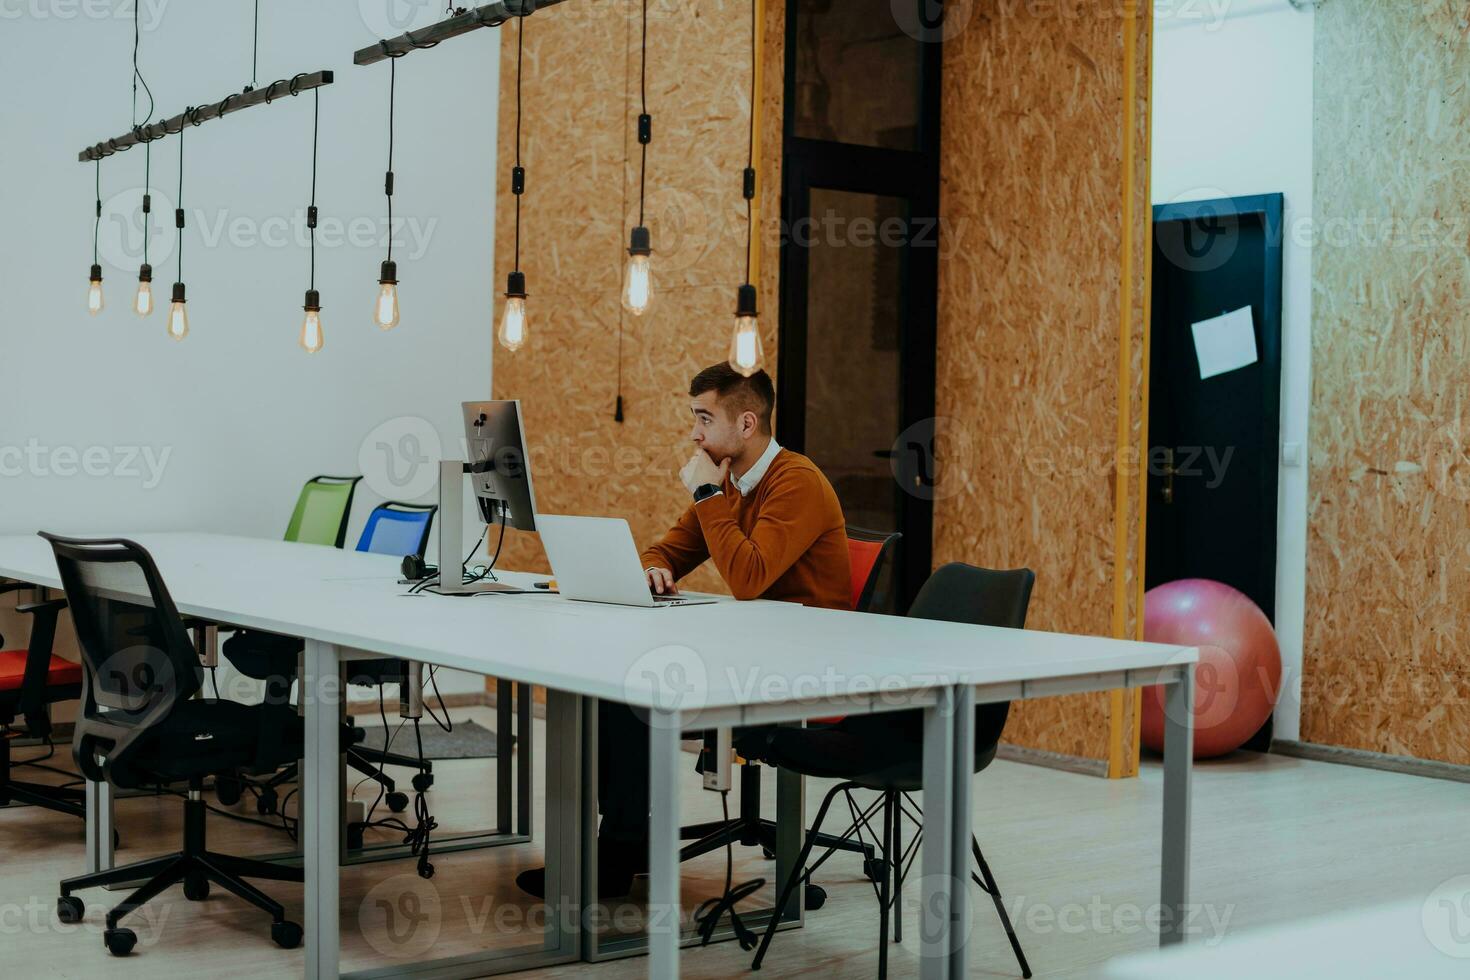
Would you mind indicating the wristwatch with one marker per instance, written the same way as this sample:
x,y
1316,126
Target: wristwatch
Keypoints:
x,y
705,491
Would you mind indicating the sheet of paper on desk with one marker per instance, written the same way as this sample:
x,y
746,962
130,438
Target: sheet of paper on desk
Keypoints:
x,y
1225,343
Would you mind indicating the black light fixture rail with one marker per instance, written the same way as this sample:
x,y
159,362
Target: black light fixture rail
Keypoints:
x,y
490,15
259,96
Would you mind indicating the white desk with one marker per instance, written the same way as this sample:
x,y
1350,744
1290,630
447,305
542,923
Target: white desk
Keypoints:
x,y
722,664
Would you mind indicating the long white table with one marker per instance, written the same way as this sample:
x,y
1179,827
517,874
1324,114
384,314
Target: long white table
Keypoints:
x,y
713,665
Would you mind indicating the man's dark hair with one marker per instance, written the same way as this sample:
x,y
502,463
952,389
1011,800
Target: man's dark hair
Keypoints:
x,y
739,393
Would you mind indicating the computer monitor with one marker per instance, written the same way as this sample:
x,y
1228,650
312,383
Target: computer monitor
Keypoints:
x,y
500,472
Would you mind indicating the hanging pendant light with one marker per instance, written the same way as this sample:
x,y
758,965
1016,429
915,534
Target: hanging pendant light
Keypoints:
x,y
95,301
178,313
311,325
638,278
746,353
143,299
512,332
385,309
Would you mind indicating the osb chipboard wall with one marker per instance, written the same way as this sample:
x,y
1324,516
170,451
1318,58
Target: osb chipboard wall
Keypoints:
x,y
1041,319
1388,562
579,147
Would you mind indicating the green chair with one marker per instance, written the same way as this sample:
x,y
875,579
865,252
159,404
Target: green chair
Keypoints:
x,y
322,510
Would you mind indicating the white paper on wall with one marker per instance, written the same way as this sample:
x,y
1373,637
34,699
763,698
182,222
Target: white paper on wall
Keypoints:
x,y
1225,343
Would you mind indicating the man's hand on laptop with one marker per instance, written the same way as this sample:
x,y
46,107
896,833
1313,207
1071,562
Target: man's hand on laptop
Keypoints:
x,y
661,581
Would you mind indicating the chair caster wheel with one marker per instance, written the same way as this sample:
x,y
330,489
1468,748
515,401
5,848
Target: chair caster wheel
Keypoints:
x,y
814,897
265,804
196,888
426,871
354,836
69,909
423,781
768,854
874,869
397,802
286,935
228,790
120,942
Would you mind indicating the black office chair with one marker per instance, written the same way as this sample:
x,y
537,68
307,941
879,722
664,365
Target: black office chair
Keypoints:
x,y
142,726
884,752
870,557
393,528
31,680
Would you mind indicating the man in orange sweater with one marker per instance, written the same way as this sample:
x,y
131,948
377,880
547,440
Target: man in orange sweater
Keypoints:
x,y
772,525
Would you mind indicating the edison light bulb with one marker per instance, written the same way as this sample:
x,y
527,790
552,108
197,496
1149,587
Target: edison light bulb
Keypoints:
x,y
385,310
178,315
746,353
513,323
143,301
513,320
638,279
94,291
311,325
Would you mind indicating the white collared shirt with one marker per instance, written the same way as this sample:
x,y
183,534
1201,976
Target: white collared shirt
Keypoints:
x,y
747,483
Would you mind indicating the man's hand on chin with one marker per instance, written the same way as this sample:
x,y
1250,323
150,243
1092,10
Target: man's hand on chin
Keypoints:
x,y
701,469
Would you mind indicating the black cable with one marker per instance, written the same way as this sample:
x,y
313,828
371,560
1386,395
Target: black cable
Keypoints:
x,y
214,680
643,101
180,204
255,52
520,37
311,210
97,227
750,142
447,725
707,917
388,181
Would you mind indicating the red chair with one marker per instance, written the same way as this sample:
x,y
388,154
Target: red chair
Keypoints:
x,y
871,555
32,680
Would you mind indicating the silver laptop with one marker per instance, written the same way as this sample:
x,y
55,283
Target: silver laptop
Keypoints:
x,y
594,560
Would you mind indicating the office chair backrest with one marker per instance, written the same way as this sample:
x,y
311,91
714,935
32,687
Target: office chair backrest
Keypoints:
x,y
870,553
395,528
960,593
321,511
137,660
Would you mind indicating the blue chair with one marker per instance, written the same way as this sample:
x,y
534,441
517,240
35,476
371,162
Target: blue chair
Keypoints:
x,y
398,529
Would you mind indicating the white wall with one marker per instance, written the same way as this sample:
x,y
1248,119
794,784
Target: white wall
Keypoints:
x,y
1232,104
237,416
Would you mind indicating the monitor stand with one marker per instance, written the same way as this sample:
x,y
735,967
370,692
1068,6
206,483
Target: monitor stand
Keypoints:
x,y
473,588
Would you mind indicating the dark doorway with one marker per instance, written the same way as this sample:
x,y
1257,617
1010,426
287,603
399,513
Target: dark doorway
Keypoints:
x,y
859,264
1214,440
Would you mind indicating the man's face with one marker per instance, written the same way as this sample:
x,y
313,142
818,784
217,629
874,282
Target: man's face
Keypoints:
x,y
715,431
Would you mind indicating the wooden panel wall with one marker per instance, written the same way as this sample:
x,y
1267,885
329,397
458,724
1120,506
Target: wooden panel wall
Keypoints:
x,y
1044,207
581,154
1388,565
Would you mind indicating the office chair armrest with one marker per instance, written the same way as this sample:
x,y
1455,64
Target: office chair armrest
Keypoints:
x,y
32,701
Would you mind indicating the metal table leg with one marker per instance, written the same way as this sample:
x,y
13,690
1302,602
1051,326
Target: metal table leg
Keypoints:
x,y
937,886
663,857
321,808
1178,765
99,823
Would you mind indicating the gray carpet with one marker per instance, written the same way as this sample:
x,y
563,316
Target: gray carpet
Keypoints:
x,y
467,741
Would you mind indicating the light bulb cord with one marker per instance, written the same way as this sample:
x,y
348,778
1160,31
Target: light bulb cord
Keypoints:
x,y
750,147
180,211
147,143
643,102
255,49
316,116
388,180
517,187
97,223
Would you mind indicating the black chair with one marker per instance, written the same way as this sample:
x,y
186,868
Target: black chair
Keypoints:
x,y
31,680
393,528
142,726
870,556
884,752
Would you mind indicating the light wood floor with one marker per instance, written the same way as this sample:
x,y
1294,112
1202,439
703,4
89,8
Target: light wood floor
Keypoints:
x,y
1076,858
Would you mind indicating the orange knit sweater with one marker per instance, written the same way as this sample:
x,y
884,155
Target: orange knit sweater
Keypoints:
x,y
785,541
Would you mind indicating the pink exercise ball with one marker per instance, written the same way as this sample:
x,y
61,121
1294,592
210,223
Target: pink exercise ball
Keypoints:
x,y
1239,672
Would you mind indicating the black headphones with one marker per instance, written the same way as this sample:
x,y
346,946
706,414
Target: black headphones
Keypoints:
x,y
414,568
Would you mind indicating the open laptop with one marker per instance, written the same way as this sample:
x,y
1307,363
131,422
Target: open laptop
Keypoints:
x,y
594,560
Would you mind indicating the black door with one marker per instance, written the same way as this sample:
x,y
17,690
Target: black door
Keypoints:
x,y
1214,440
859,265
